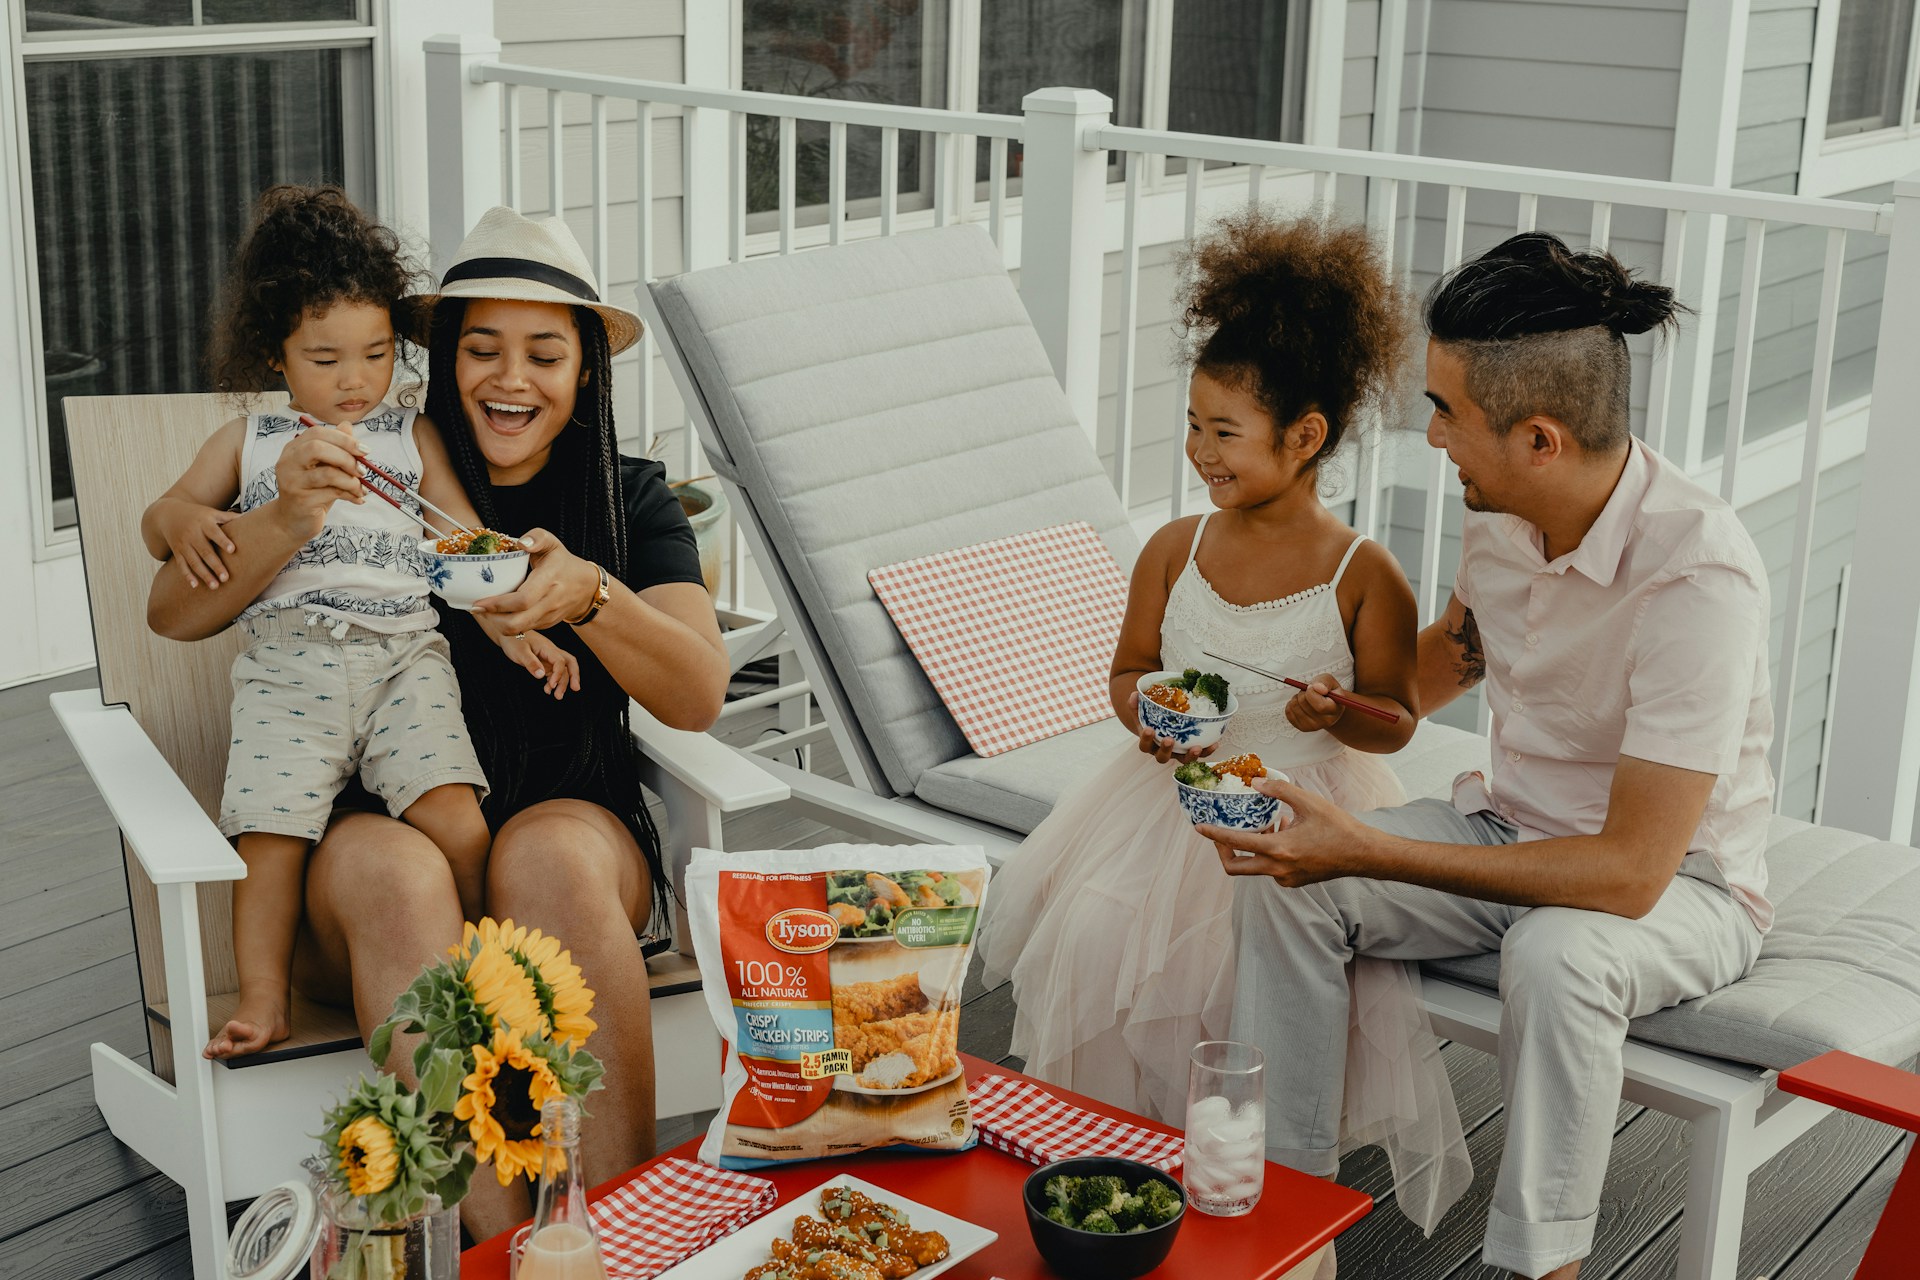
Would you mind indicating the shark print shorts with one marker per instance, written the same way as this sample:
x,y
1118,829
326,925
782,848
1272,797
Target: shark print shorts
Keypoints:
x,y
310,710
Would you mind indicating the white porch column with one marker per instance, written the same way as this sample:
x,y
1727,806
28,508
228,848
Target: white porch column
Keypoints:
x,y
463,126
1875,763
1064,200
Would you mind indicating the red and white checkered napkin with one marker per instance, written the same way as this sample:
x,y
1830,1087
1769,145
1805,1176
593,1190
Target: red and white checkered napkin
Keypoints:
x,y
672,1211
1026,1121
1017,635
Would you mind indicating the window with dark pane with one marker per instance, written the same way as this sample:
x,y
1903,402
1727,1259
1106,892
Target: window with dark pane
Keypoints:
x,y
1085,44
1869,66
1238,69
879,51
144,173
106,16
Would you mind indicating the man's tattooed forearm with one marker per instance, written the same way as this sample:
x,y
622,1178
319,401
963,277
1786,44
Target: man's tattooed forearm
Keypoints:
x,y
1472,665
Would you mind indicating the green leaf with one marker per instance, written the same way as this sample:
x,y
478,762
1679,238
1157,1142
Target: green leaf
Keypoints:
x,y
440,1079
381,1044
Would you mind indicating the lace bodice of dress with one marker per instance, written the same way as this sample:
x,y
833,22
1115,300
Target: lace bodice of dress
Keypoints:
x,y
1300,635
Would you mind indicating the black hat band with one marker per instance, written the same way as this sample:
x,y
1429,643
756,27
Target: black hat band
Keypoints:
x,y
520,269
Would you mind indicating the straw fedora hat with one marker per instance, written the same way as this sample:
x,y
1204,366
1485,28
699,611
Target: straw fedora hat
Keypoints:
x,y
520,259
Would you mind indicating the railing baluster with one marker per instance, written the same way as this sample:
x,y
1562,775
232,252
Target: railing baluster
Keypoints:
x,y
997,190
556,143
836,182
1833,691
966,158
942,177
1256,175
601,266
1601,231
510,174
1453,247
1529,212
1323,189
788,127
643,247
737,165
1366,498
1194,170
889,178
1823,342
1660,380
1127,337
1743,330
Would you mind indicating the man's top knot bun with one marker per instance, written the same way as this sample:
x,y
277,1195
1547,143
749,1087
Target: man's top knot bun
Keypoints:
x,y
1533,283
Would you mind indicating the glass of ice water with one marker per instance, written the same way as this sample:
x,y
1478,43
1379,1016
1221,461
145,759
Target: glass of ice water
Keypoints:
x,y
1226,1154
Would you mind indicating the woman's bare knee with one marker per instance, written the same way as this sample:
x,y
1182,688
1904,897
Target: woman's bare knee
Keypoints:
x,y
563,859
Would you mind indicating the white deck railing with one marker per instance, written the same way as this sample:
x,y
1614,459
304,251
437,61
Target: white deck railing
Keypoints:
x,y
1065,220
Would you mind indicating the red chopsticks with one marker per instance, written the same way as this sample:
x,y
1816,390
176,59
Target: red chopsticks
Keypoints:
x,y
410,491
1390,717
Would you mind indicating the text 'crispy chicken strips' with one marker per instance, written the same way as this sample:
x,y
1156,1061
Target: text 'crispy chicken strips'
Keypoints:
x,y
834,975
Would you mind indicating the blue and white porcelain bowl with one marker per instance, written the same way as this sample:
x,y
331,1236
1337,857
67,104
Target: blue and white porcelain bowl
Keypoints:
x,y
1188,731
461,580
1239,810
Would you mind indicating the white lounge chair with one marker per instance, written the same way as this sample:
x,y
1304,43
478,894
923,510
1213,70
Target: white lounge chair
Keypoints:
x,y
887,399
154,741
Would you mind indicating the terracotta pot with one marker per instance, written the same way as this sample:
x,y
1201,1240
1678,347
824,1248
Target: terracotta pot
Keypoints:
x,y
706,508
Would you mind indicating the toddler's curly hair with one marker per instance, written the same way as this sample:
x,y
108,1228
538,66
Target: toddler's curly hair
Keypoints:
x,y
307,249
1302,313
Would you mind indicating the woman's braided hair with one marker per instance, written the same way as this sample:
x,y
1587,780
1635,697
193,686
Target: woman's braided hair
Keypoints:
x,y
306,249
591,520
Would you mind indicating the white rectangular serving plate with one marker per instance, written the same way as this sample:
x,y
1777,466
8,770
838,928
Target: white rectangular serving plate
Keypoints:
x,y
731,1257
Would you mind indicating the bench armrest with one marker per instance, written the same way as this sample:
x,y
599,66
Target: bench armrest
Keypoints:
x,y
161,821
1859,1086
719,775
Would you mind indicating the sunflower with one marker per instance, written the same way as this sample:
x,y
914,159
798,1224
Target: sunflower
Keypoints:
x,y
503,989
501,1100
367,1156
563,994
560,992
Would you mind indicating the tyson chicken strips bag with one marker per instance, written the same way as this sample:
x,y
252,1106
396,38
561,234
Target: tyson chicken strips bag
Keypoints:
x,y
834,975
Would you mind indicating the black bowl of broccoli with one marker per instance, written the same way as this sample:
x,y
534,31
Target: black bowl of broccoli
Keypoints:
x,y
1102,1218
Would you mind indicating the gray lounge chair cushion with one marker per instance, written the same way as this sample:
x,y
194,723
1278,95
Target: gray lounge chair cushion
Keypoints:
x,y
1840,969
880,401
1018,788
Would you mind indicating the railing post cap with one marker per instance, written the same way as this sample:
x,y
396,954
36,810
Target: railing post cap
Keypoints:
x,y
463,43
1063,101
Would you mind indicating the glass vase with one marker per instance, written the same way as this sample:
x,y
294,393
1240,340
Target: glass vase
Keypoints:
x,y
354,1247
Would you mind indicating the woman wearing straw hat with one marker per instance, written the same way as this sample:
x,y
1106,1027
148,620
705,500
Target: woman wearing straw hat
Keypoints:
x,y
521,349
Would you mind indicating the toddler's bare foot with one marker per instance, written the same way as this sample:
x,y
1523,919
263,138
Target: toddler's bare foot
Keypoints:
x,y
260,1020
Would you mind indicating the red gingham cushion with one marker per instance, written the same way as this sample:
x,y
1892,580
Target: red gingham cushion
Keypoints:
x,y
1036,615
1031,1124
673,1211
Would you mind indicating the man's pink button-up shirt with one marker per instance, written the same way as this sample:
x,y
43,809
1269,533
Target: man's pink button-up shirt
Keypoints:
x,y
1647,640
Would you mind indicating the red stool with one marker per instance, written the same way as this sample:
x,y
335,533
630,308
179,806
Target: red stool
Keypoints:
x,y
1891,1096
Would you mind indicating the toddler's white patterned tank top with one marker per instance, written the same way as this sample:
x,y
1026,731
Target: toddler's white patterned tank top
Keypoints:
x,y
1300,635
365,565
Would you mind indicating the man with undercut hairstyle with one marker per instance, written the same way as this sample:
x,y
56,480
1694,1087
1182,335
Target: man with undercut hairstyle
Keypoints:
x,y
1612,854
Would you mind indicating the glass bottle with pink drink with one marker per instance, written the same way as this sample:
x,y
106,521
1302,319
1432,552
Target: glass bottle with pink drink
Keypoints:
x,y
562,1243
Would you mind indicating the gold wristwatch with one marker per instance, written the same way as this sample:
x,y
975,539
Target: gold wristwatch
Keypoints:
x,y
600,597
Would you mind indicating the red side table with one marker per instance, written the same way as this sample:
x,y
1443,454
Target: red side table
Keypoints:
x,y
1296,1215
1891,1096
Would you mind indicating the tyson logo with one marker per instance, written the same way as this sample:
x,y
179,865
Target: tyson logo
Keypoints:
x,y
802,930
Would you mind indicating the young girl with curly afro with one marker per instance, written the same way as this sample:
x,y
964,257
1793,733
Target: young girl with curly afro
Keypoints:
x,y
1113,920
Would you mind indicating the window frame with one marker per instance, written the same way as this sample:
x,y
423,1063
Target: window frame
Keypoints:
x,y
1325,37
1833,166
28,399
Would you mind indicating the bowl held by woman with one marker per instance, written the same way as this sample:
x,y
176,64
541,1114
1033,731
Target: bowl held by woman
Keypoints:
x,y
1221,793
462,578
